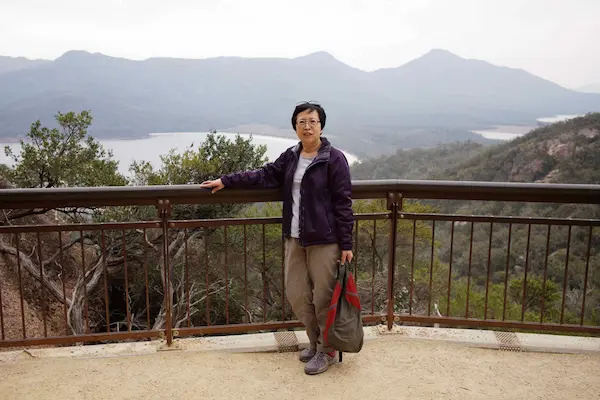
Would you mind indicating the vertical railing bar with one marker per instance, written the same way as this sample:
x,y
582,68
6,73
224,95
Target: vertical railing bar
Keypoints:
x,y
86,309
506,272
164,207
356,235
469,272
43,297
2,336
17,240
412,268
207,303
542,306
126,268
394,205
431,266
246,316
226,239
526,270
64,286
450,268
264,272
187,277
587,268
105,273
373,266
147,283
489,270
566,278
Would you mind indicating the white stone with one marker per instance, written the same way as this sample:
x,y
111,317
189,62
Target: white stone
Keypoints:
x,y
558,343
258,342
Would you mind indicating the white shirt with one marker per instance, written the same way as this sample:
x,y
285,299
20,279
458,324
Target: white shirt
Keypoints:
x,y
303,163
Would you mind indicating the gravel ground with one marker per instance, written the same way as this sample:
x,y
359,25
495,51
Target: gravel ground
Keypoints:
x,y
391,367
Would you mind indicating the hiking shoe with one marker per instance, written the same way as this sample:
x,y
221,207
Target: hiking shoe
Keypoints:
x,y
319,363
307,354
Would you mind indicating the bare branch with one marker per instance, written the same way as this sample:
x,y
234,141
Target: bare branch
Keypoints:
x,y
374,246
34,271
65,247
90,282
33,250
6,217
21,214
182,248
181,317
148,243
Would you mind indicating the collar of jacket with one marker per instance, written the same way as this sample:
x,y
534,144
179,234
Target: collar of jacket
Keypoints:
x,y
323,153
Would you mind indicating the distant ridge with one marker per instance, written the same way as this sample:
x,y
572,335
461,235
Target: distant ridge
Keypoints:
x,y
438,90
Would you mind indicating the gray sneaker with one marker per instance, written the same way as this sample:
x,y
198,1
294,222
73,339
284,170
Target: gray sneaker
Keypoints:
x,y
319,363
307,354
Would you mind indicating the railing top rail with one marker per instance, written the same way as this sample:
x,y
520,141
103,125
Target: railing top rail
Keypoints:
x,y
362,189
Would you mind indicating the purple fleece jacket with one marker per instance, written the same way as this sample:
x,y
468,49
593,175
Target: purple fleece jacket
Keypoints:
x,y
325,194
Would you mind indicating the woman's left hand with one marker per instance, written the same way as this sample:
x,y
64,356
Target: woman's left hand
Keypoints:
x,y
346,256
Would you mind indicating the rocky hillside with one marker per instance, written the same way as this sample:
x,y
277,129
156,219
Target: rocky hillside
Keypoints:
x,y
20,281
564,152
417,163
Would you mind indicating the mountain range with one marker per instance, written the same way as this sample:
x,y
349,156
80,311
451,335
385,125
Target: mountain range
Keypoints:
x,y
127,98
8,64
591,88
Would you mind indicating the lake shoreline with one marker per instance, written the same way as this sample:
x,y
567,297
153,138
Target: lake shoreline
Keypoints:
x,y
151,147
16,140
504,132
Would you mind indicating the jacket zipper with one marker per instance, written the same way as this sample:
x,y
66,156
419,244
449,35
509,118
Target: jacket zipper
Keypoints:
x,y
301,214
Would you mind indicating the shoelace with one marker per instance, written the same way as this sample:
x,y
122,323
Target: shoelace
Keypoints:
x,y
321,357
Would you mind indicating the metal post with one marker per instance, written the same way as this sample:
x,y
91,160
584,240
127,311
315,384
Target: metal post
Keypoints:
x,y
394,204
164,209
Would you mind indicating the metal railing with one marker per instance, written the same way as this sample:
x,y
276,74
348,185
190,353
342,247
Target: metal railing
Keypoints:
x,y
167,277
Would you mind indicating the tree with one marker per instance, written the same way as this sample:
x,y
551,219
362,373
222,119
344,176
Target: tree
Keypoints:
x,y
59,157
195,247
68,157
64,156
217,155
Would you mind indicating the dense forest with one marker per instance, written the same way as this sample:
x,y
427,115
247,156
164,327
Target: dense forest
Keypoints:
x,y
233,274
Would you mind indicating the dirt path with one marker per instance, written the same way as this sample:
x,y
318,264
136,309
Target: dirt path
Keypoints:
x,y
388,368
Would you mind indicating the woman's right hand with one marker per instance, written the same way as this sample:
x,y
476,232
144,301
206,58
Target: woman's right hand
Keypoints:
x,y
215,185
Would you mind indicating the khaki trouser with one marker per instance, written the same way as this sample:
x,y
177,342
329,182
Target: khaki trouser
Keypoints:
x,y
310,276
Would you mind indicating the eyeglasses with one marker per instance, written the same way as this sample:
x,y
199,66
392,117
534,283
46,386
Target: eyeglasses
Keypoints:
x,y
310,103
312,122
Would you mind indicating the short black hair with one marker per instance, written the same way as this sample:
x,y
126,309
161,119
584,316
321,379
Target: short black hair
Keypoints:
x,y
309,106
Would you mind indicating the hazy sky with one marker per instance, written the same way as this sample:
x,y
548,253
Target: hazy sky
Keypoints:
x,y
555,39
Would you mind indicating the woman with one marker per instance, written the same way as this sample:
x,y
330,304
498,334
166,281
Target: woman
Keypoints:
x,y
317,223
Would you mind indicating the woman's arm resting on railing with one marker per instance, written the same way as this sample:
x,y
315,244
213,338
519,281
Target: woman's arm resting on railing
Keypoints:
x,y
268,176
